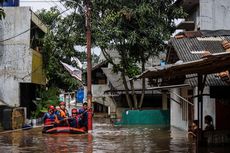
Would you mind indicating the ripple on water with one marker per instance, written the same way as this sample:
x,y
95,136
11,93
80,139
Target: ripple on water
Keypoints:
x,y
104,138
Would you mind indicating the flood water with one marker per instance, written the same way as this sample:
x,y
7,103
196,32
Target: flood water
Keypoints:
x,y
105,138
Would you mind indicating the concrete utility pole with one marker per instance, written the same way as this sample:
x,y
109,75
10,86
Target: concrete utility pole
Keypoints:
x,y
89,64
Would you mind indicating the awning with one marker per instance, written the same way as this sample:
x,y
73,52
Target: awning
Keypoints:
x,y
213,63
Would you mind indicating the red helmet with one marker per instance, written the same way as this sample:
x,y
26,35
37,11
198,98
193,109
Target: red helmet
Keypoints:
x,y
51,107
74,110
62,103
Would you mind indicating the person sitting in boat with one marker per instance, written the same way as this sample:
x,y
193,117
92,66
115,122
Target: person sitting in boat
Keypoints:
x,y
84,115
75,118
49,117
62,115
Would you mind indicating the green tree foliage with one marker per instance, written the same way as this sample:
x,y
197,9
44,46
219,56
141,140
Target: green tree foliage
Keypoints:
x,y
137,29
47,98
2,13
64,33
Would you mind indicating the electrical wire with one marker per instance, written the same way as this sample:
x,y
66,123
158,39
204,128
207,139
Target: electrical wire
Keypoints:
x,y
56,4
30,28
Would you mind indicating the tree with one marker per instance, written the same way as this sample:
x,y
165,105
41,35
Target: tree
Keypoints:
x,y
2,13
137,29
64,33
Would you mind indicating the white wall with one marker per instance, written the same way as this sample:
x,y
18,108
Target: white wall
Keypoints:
x,y
15,55
209,106
100,97
176,112
214,14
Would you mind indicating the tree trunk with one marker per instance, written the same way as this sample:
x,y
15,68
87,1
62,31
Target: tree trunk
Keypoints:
x,y
143,86
133,94
126,90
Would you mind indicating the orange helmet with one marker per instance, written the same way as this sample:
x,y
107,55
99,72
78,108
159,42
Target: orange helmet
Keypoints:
x,y
74,110
62,103
51,107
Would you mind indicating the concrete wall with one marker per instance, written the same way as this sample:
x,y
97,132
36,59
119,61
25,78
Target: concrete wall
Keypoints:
x,y
101,98
15,55
209,108
176,111
214,14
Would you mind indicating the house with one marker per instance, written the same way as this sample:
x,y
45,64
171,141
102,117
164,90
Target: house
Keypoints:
x,y
206,95
191,48
101,103
108,90
205,28
21,70
208,64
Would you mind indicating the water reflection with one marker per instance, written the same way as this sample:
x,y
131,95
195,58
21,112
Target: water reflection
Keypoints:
x,y
105,138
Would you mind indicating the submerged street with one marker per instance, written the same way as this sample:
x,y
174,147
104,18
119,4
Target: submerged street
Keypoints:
x,y
105,138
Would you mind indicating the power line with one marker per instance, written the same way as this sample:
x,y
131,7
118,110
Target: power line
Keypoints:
x,y
30,28
17,35
56,4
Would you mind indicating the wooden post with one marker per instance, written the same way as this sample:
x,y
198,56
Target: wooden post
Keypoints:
x,y
89,63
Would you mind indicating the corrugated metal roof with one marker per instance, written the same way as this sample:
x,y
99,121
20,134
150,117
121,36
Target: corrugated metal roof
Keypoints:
x,y
211,80
184,46
214,33
194,42
213,63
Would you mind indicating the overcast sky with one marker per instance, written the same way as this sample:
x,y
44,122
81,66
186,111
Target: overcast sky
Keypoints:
x,y
46,4
41,4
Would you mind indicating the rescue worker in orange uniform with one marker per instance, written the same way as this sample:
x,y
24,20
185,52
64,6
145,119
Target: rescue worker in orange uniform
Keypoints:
x,y
62,115
49,118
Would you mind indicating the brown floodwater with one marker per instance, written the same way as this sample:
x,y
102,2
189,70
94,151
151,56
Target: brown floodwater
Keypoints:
x,y
105,138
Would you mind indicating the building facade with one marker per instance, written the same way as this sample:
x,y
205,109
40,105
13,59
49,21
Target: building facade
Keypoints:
x,y
21,70
205,15
210,17
188,47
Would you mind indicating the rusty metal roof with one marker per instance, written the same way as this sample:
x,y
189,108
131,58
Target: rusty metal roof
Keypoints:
x,y
211,80
195,41
190,44
211,64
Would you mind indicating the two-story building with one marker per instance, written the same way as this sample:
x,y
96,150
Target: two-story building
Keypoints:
x,y
205,15
21,68
207,19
